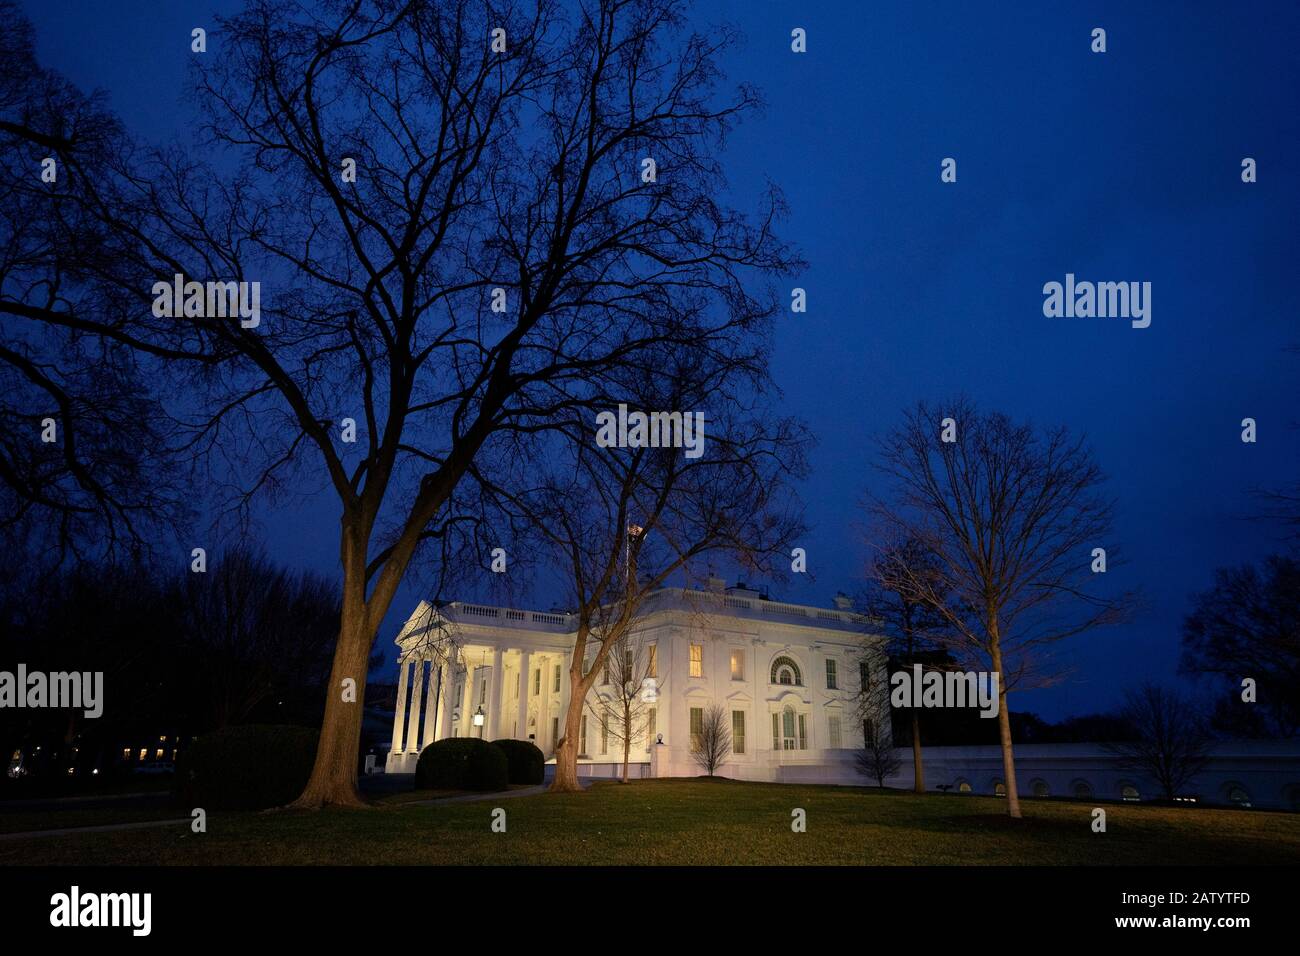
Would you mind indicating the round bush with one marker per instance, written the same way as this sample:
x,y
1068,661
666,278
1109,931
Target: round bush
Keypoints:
x,y
247,768
527,762
462,763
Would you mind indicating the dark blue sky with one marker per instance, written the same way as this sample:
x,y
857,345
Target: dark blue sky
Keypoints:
x,y
1115,166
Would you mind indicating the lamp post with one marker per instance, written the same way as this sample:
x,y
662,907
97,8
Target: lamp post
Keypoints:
x,y
479,719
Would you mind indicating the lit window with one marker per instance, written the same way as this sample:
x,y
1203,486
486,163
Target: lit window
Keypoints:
x,y
737,665
697,660
999,788
963,786
830,674
144,753
697,727
652,665
738,731
162,740
833,729
158,754
126,753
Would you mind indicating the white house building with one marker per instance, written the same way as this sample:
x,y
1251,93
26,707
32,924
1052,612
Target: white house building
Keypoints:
x,y
787,676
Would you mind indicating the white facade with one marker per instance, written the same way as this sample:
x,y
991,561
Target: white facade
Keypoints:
x,y
786,675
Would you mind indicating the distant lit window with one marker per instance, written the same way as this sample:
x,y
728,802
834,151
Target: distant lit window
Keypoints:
x,y
999,788
737,665
697,660
963,786
158,754
126,753
144,753
652,662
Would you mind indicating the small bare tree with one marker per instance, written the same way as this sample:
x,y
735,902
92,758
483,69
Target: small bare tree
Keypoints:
x,y
1010,515
623,708
877,759
711,743
1171,739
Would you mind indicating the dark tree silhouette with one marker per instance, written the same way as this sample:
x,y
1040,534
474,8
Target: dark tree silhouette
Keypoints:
x,y
711,742
1010,515
1248,626
501,254
1170,740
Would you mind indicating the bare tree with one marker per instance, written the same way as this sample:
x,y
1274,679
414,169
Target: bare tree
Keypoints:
x,y
1171,740
622,522
83,463
1011,516
461,244
623,703
913,627
1248,625
711,742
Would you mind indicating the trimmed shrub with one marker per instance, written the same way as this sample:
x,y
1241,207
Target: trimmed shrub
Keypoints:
x,y
527,762
462,763
247,768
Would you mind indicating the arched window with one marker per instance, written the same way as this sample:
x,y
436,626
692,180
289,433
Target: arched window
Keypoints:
x,y
1082,789
786,671
1039,788
1238,796
1129,793
999,788
963,786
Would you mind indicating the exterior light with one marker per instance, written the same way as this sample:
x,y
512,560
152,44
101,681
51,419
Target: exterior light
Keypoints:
x,y
659,741
478,717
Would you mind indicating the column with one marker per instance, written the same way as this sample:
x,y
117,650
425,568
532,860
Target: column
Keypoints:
x,y
431,704
491,726
417,694
467,701
397,744
525,686
544,703
448,703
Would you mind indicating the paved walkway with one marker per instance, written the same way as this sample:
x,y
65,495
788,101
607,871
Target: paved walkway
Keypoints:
x,y
472,797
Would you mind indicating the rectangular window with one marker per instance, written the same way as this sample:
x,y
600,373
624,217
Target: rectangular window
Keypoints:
x,y
776,731
651,721
555,732
833,727
697,660
652,665
830,673
604,735
582,738
737,665
604,677
537,682
738,731
126,753
803,733
864,675
697,727
556,688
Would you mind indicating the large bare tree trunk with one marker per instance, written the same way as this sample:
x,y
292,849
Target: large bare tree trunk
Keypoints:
x,y
627,739
333,780
1004,731
566,751
918,771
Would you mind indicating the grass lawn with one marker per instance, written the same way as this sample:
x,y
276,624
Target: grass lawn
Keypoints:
x,y
700,822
